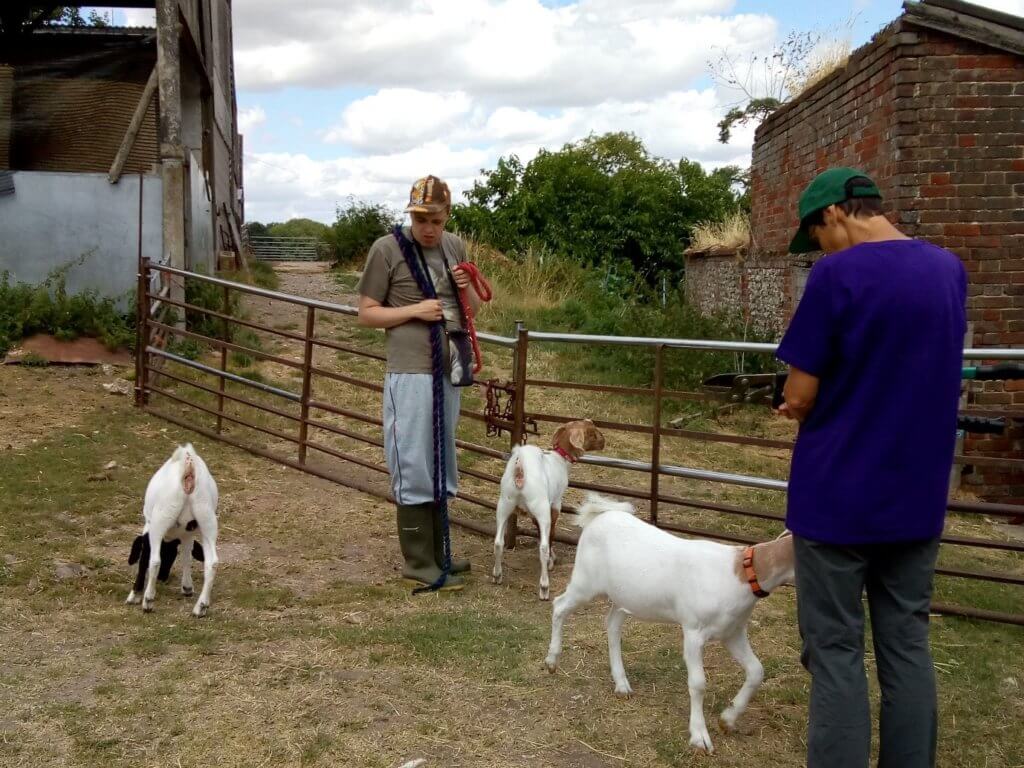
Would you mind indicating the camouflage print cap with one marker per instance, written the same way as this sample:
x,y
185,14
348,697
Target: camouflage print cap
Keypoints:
x,y
429,195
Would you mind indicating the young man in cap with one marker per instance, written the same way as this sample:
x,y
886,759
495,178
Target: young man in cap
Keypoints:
x,y
875,350
391,298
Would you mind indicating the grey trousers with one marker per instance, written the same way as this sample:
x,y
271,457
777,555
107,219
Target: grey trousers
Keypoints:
x,y
830,582
409,436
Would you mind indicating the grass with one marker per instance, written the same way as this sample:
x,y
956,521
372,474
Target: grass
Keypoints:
x,y
730,233
826,59
550,293
261,274
313,654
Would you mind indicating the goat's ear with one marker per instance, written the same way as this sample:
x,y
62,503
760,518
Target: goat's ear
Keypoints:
x,y
577,438
136,552
557,437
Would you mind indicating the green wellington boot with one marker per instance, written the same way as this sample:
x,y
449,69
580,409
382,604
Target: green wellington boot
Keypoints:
x,y
459,564
416,536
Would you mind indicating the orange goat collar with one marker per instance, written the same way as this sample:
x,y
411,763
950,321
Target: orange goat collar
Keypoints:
x,y
750,574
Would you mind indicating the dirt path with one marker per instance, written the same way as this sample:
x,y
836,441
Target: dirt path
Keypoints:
x,y
312,280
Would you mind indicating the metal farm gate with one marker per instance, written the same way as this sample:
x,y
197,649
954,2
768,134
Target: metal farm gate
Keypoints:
x,y
195,395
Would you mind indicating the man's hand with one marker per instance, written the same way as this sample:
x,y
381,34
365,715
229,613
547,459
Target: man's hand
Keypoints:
x,y
461,278
428,310
800,392
785,411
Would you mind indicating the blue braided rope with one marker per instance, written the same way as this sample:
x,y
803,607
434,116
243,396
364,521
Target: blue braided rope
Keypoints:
x,y
438,374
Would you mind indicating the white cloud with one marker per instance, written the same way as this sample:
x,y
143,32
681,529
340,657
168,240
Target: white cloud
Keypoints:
x,y
399,119
139,17
250,118
510,52
281,185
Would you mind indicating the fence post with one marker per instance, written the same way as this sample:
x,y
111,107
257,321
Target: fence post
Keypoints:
x,y
223,360
141,332
519,413
307,383
659,375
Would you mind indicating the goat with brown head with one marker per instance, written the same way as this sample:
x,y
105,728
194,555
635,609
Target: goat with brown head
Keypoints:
x,y
535,481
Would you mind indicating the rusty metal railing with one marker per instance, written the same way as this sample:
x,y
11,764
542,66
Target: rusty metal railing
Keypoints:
x,y
308,425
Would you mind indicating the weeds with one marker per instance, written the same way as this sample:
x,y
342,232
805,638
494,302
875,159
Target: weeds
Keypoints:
x,y
552,293
48,308
731,232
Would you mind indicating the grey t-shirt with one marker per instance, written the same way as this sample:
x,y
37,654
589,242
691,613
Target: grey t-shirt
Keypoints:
x,y
387,279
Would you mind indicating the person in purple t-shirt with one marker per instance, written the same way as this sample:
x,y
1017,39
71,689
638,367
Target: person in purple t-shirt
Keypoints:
x,y
875,350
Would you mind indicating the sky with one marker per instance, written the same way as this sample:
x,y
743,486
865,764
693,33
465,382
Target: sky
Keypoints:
x,y
358,99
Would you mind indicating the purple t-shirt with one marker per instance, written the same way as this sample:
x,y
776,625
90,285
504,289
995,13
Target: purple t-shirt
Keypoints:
x,y
882,326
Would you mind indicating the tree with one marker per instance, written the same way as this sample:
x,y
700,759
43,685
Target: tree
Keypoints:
x,y
256,229
21,17
357,226
299,228
604,200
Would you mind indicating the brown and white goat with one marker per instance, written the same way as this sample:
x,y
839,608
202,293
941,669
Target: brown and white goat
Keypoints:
x,y
535,481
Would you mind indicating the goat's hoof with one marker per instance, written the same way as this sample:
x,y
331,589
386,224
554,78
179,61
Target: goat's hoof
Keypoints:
x,y
623,692
702,743
551,665
726,726
133,599
496,578
147,605
544,593
187,591
200,610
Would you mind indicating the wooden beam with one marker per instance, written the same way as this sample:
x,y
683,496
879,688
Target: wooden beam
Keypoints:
x,y
972,28
172,153
133,128
979,12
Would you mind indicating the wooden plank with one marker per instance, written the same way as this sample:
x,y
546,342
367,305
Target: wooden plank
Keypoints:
x,y
133,128
979,12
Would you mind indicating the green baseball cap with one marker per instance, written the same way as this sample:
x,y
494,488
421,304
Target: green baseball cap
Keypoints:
x,y
836,185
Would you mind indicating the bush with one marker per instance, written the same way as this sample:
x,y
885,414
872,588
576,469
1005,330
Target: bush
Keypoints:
x,y
48,308
264,275
358,225
208,296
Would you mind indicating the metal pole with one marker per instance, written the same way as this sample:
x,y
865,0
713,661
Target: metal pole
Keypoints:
x,y
518,413
141,332
307,383
221,382
659,375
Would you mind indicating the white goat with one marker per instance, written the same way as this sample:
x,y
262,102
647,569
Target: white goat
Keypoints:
x,y
535,481
709,589
181,497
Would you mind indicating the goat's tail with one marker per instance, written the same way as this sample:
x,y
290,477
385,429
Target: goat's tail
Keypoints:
x,y
183,458
595,504
518,475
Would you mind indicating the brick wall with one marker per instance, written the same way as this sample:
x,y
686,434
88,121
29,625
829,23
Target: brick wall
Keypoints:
x,y
847,119
938,122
